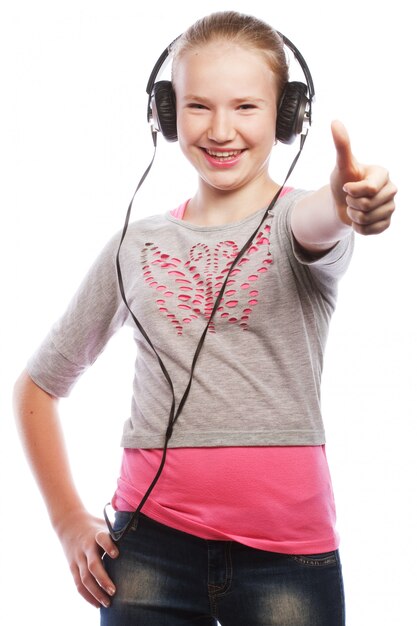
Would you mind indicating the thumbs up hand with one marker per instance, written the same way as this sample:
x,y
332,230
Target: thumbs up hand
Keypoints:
x,y
363,194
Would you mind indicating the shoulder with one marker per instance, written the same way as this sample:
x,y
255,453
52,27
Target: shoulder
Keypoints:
x,y
281,212
149,223
289,197
138,230
325,268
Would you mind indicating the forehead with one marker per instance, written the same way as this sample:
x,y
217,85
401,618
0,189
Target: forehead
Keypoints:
x,y
223,65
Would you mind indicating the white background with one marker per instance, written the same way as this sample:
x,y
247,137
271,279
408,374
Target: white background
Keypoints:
x,y
74,142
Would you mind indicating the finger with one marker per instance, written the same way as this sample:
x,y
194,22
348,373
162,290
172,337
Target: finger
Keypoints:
x,y
104,540
367,218
95,583
371,222
99,573
344,157
365,202
374,180
83,589
371,229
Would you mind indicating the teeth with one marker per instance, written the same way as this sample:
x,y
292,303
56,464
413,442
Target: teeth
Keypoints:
x,y
223,153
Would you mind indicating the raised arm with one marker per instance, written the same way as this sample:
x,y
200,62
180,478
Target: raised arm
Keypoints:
x,y
358,197
83,537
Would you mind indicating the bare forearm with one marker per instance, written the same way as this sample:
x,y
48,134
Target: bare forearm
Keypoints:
x,y
315,222
40,430
83,537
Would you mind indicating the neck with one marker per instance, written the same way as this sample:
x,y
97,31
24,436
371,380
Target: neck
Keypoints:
x,y
214,207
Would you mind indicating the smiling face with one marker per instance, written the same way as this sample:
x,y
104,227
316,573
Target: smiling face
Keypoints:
x,y
226,99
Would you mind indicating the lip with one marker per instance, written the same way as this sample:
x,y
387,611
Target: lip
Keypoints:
x,y
222,162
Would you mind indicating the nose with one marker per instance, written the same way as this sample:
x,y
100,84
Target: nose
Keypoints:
x,y
221,128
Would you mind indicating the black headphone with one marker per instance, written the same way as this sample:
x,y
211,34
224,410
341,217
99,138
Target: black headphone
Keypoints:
x,y
294,108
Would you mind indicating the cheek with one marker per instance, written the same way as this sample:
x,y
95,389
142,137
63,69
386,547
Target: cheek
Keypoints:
x,y
188,127
189,134
272,123
264,136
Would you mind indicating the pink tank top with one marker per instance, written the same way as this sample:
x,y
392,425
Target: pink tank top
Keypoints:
x,y
271,498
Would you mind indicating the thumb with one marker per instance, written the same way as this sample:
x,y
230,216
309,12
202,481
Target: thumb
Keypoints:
x,y
345,161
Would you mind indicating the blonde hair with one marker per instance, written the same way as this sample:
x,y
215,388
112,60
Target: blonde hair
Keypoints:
x,y
238,28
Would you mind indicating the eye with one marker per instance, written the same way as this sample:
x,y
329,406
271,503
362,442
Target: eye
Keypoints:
x,y
196,105
247,106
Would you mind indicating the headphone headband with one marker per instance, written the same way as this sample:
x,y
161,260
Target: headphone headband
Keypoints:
x,y
302,63
164,57
158,66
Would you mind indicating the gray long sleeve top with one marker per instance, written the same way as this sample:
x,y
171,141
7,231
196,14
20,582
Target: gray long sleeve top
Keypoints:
x,y
257,380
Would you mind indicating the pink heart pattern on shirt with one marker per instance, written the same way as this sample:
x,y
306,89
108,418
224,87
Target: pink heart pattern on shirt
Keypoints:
x,y
187,290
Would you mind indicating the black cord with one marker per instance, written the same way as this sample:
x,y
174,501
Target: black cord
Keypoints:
x,y
174,414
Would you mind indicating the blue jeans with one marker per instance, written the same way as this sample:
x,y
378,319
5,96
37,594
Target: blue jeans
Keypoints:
x,y
165,577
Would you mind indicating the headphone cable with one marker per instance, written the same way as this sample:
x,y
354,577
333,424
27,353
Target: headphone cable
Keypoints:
x,y
174,414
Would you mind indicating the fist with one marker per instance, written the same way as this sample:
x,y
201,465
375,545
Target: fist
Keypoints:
x,y
363,194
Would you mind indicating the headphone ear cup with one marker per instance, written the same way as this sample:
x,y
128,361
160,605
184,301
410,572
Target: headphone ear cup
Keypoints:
x,y
164,109
291,112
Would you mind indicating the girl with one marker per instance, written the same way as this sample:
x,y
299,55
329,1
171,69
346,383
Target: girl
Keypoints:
x,y
240,526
